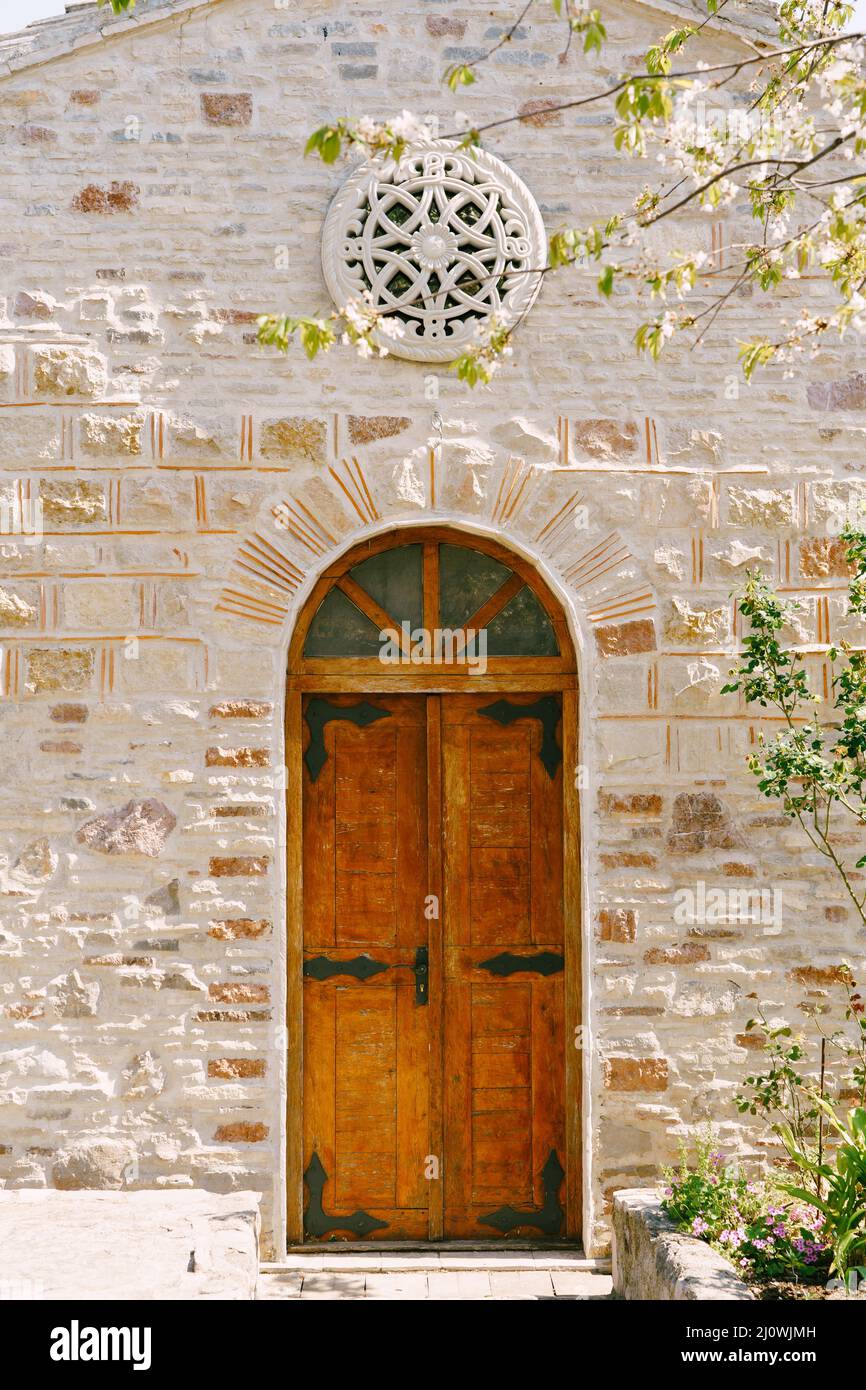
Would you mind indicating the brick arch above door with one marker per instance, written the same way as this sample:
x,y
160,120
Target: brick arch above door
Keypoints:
x,y
549,513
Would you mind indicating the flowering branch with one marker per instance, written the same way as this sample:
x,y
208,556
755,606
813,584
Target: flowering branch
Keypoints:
x,y
807,111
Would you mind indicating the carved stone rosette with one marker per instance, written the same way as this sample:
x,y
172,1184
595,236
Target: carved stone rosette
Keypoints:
x,y
442,240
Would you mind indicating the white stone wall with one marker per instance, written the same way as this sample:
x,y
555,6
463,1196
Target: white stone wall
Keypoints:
x,y
154,199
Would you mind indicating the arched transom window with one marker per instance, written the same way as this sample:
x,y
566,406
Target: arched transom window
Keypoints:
x,y
427,600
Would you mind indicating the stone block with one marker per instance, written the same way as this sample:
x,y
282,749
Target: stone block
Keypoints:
x,y
60,668
69,371
294,439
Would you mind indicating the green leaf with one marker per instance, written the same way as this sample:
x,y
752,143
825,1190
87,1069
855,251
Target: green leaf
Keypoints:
x,y
327,142
461,75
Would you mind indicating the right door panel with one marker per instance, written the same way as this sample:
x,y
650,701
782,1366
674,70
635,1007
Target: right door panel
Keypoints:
x,y
504,1064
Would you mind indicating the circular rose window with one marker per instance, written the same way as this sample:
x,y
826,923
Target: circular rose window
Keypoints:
x,y
441,240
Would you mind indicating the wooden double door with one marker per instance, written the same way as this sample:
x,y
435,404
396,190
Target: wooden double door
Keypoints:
x,y
434,1096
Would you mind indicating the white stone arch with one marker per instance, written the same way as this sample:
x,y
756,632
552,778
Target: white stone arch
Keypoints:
x,y
594,575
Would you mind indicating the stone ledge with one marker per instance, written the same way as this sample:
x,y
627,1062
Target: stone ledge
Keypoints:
x,y
129,1245
652,1260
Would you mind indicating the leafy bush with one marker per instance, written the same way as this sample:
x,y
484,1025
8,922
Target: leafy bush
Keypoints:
x,y
822,1140
840,1187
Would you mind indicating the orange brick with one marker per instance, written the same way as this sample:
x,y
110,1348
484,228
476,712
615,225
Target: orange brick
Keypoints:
x,y
625,639
241,1132
237,757
688,953
617,924
636,1074
239,994
238,866
239,928
232,1068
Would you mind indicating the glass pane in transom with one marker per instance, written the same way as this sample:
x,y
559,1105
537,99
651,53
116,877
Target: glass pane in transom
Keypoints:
x,y
522,629
340,629
467,579
395,579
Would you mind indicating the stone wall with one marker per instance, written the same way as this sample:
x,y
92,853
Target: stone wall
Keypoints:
x,y
155,198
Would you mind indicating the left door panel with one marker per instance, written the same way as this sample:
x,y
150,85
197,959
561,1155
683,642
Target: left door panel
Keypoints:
x,y
366,1020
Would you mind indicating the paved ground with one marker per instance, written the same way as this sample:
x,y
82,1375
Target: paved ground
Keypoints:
x,y
537,1275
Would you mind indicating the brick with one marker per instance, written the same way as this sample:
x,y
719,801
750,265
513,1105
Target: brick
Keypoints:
x,y
441,26
617,924
16,610
239,994
239,929
736,870
37,135
69,714
117,197
241,1132
823,557
700,822
626,639
817,976
847,393
227,108
629,859
687,953
636,1074
236,1068
366,429
109,436
630,804
241,709
67,371
237,757
234,1016
539,113
238,866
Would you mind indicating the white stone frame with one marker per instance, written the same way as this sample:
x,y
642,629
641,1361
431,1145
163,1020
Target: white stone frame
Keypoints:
x,y
589,1067
516,235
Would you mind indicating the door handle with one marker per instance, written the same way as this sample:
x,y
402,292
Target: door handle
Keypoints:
x,y
365,967
421,971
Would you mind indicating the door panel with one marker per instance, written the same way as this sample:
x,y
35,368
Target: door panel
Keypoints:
x,y
503,921
366,1043
473,1071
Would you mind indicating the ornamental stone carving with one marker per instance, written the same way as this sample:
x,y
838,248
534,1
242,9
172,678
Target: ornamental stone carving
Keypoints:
x,y
442,240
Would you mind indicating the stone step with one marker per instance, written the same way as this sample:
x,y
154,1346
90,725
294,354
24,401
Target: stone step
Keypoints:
x,y
392,1261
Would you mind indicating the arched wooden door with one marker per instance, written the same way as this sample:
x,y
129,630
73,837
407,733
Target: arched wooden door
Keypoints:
x,y
433,946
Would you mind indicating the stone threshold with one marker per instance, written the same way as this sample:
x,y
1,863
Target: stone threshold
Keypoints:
x,y
451,1257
